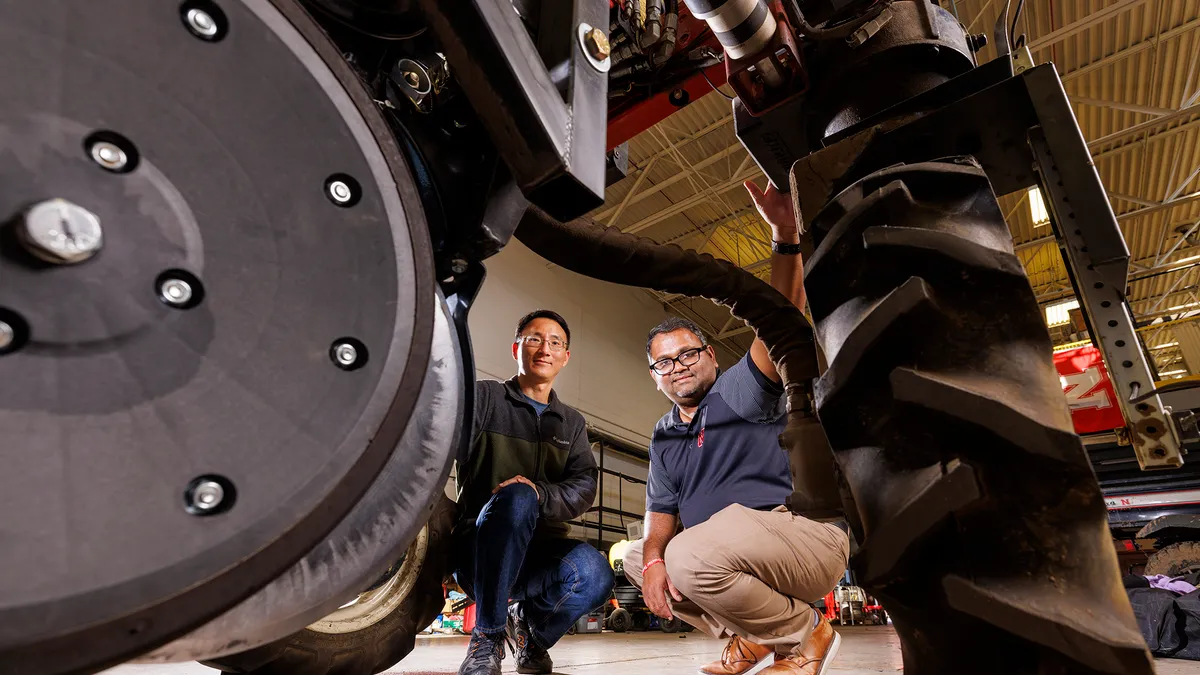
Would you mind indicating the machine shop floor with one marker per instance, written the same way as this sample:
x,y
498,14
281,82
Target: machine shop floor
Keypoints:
x,y
865,651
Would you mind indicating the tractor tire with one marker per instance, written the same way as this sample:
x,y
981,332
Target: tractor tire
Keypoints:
x,y
369,639
986,535
1175,560
620,621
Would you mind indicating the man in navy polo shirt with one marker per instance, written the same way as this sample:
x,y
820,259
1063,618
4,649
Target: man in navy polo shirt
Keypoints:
x,y
743,567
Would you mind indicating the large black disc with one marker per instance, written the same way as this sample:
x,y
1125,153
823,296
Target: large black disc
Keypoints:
x,y
215,284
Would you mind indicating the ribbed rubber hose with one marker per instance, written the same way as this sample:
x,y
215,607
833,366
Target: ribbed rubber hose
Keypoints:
x,y
593,250
986,532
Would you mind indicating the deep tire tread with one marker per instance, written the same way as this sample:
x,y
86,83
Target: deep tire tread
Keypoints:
x,y
986,533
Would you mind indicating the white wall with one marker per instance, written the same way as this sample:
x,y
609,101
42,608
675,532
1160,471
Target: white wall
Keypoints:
x,y
607,379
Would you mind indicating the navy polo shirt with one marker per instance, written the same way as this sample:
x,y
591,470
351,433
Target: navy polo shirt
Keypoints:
x,y
728,454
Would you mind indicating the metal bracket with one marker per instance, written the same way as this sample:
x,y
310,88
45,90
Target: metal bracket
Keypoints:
x,y
1091,241
544,105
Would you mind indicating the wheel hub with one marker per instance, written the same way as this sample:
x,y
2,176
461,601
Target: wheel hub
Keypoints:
x,y
201,226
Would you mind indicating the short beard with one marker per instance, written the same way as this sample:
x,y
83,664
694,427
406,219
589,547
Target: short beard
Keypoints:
x,y
692,396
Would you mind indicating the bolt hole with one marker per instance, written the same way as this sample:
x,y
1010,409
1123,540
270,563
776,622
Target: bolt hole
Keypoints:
x,y
1159,452
1091,268
204,19
1083,249
1152,429
1143,407
1120,343
209,495
1071,215
343,190
679,97
179,289
1104,303
1127,364
14,331
1112,324
1098,285
348,353
111,151
1078,232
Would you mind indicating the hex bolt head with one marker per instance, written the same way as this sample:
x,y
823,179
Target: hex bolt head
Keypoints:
x,y
60,232
201,23
458,265
7,336
346,354
108,156
596,42
175,292
207,495
413,79
340,192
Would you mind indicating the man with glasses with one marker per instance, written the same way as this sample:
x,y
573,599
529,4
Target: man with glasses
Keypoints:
x,y
529,470
743,567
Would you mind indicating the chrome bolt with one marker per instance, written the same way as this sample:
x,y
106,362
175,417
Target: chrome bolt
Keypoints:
x,y
597,44
346,354
7,335
201,23
109,156
340,192
61,232
207,495
413,79
176,292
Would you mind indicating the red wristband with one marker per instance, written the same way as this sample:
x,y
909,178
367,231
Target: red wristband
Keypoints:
x,y
652,563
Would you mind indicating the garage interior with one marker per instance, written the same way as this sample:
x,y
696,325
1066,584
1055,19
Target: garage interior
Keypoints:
x,y
1131,69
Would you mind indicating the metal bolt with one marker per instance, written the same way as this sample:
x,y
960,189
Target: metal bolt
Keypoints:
x,y
458,265
413,79
176,292
7,335
346,354
201,23
109,156
597,44
340,192
207,495
60,232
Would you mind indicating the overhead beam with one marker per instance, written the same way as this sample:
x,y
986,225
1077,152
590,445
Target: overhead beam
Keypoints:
x,y
1119,105
1084,24
1145,126
681,176
750,172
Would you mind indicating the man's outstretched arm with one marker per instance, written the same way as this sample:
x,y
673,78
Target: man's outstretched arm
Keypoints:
x,y
787,271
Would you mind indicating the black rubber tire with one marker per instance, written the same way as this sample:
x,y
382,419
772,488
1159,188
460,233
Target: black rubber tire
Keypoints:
x,y
1174,560
672,625
986,532
373,649
620,621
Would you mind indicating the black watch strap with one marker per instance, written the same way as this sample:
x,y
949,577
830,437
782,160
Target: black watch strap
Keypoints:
x,y
785,249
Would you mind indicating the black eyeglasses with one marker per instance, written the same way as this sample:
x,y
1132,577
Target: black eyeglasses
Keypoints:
x,y
686,358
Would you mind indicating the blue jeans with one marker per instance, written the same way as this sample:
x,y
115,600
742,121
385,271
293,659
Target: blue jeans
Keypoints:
x,y
557,581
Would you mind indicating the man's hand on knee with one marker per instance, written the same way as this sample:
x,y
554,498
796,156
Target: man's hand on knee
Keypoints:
x,y
655,586
518,479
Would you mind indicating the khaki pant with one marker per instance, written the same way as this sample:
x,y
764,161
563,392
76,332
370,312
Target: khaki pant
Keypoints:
x,y
751,573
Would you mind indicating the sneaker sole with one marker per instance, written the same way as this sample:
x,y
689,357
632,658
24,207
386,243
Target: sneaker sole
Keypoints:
x,y
830,655
761,665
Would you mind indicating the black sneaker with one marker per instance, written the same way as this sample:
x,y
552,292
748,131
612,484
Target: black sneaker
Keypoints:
x,y
483,655
532,658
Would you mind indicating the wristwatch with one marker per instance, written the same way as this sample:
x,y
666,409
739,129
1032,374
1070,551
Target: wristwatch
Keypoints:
x,y
785,249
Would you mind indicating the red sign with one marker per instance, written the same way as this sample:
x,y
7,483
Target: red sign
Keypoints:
x,y
1090,394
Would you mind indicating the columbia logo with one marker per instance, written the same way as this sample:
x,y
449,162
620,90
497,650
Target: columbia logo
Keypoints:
x,y
560,441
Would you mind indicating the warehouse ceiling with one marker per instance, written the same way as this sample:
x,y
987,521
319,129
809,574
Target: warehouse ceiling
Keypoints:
x,y
1132,69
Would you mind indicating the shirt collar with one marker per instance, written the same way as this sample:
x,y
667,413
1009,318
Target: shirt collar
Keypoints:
x,y
513,390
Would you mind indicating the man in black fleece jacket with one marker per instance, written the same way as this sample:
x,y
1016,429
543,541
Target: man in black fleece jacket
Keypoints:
x,y
529,470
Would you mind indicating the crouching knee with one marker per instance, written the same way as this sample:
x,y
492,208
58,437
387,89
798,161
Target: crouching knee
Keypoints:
x,y
516,503
595,581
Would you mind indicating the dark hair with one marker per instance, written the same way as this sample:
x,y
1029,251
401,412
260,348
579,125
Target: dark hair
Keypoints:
x,y
672,324
543,314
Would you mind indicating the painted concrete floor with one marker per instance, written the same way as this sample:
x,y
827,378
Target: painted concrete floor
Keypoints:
x,y
865,651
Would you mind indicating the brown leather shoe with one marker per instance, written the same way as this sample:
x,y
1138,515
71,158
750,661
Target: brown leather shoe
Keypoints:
x,y
740,656
813,657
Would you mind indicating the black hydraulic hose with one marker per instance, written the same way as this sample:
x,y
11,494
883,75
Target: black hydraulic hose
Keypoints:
x,y
604,253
